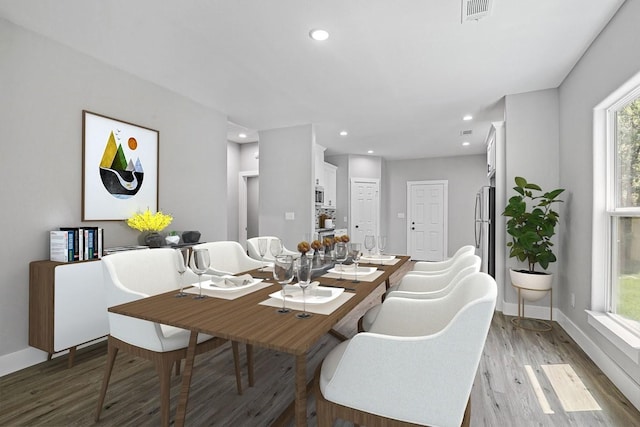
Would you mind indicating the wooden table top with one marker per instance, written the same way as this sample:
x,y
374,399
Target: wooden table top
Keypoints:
x,y
244,320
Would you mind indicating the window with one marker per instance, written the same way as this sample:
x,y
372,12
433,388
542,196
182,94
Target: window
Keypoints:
x,y
622,293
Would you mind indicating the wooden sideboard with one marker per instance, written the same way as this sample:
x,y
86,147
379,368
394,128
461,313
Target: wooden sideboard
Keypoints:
x,y
67,305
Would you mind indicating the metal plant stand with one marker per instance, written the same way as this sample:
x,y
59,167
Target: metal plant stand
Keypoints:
x,y
544,326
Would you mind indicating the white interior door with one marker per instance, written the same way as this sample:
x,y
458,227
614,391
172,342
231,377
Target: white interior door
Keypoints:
x,y
243,177
364,208
427,221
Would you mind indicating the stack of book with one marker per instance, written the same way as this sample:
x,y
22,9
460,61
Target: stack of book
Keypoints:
x,y
75,244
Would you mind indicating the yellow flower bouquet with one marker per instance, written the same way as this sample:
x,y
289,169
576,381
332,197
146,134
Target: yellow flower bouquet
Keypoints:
x,y
146,221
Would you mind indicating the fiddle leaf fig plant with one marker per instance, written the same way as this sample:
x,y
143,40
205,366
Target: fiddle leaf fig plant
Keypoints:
x,y
531,223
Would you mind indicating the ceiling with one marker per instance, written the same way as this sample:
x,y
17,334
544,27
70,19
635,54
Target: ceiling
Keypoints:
x,y
398,75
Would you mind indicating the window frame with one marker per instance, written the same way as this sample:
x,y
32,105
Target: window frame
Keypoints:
x,y
604,213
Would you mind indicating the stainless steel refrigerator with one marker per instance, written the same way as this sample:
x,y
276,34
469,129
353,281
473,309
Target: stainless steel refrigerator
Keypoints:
x,y
485,212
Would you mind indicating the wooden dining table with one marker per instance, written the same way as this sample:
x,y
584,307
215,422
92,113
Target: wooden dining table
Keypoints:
x,y
245,320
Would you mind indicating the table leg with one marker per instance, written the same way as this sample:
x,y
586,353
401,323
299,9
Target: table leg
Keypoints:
x,y
181,412
301,390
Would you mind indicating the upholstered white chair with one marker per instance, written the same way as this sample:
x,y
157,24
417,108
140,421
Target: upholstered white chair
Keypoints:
x,y
437,266
420,286
416,365
254,252
132,275
228,257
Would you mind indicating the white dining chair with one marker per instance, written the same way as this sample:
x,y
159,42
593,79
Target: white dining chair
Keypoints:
x,y
416,365
420,286
437,266
130,276
254,252
227,258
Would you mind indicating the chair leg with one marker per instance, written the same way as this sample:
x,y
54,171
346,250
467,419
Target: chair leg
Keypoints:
x,y
178,364
466,420
250,373
324,412
236,363
164,365
112,352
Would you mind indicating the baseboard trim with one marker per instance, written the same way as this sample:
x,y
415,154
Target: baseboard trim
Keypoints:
x,y
21,359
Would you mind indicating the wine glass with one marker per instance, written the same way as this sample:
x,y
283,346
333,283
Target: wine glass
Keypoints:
x,y
369,243
182,259
341,255
304,278
382,243
283,274
199,264
355,252
275,247
262,249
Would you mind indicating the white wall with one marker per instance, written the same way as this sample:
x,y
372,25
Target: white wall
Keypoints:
x,y
532,152
465,174
287,183
45,86
610,61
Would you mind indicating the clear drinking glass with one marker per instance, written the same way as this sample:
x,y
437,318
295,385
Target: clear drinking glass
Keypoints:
x,y
262,249
341,255
355,253
304,278
369,243
382,243
283,274
275,247
182,259
199,264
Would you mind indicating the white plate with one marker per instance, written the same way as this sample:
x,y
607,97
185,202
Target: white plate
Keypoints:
x,y
350,270
208,284
377,258
294,294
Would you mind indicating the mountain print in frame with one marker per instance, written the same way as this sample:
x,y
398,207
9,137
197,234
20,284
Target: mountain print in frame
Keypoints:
x,y
119,168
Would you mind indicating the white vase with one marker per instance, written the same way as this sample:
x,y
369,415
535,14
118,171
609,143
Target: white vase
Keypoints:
x,y
533,286
172,240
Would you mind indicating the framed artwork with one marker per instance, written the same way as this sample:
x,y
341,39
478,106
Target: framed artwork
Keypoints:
x,y
119,168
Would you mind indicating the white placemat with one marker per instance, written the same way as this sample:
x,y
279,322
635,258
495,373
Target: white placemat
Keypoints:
x,y
325,309
348,276
374,261
228,294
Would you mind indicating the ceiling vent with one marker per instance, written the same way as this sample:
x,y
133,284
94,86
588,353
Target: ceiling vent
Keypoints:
x,y
465,132
473,10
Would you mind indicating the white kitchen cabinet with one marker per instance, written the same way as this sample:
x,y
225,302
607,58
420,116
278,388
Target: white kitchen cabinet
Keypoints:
x,y
319,165
67,305
330,172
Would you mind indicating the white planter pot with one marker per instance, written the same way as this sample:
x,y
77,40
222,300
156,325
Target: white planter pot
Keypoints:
x,y
533,286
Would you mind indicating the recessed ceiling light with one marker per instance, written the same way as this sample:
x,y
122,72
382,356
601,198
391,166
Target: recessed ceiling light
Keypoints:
x,y
466,144
344,133
370,151
467,117
242,135
319,35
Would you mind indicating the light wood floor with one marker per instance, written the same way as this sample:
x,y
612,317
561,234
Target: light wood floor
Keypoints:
x,y
49,394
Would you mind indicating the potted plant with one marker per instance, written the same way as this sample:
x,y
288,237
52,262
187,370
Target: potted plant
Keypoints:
x,y
531,224
150,225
